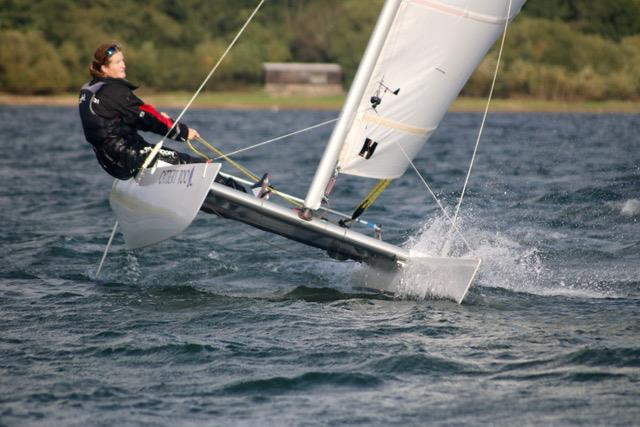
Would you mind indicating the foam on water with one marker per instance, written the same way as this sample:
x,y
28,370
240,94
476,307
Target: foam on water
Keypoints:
x,y
132,268
506,263
631,208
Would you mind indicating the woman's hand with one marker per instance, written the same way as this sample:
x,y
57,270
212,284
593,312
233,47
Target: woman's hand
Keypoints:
x,y
193,134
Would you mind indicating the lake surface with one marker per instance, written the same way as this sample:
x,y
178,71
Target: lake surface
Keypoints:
x,y
228,325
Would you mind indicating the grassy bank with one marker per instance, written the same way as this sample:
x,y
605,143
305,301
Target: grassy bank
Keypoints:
x,y
258,99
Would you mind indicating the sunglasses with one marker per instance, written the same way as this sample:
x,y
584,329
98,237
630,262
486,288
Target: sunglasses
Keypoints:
x,y
111,50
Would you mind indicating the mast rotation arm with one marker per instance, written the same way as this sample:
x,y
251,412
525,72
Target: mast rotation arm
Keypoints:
x,y
332,150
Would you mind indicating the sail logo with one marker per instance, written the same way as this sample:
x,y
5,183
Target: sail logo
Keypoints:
x,y
176,177
368,148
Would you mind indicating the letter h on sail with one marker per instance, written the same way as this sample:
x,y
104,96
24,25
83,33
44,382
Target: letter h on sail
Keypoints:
x,y
368,148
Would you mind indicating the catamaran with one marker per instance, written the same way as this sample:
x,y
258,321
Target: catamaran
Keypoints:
x,y
418,58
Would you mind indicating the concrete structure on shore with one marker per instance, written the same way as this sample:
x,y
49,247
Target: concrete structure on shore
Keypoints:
x,y
307,79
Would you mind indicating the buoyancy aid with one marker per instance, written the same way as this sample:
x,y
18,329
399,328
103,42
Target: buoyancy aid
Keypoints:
x,y
93,125
102,133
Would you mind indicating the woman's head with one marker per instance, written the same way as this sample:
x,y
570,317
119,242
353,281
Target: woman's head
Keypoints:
x,y
108,61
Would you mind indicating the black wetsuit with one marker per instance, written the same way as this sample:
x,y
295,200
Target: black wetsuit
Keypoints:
x,y
111,116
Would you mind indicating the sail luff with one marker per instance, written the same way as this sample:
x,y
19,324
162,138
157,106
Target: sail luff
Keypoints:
x,y
332,150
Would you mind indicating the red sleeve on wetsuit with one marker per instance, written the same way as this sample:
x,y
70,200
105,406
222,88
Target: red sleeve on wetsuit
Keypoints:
x,y
150,109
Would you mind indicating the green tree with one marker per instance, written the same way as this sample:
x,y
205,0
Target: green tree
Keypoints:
x,y
555,49
351,31
30,65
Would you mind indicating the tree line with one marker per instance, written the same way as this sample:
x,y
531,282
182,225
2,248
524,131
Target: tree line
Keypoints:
x,y
555,49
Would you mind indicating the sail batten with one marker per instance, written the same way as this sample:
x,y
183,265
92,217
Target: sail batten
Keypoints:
x,y
392,124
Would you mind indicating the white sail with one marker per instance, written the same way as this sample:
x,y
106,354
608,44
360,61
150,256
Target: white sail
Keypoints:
x,y
430,51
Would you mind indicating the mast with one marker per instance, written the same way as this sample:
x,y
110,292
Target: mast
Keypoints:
x,y
332,150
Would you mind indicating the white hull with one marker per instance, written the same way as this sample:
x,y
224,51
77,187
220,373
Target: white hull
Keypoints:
x,y
390,268
162,203
423,276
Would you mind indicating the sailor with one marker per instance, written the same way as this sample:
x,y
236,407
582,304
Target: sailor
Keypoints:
x,y
112,115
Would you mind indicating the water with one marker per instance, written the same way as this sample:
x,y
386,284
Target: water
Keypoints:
x,y
227,325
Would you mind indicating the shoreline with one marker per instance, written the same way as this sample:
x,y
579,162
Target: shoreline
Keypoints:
x,y
258,100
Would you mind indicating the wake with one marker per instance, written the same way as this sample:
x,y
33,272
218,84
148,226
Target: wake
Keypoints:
x,y
506,263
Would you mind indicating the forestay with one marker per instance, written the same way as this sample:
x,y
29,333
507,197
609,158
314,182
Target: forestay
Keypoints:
x,y
430,51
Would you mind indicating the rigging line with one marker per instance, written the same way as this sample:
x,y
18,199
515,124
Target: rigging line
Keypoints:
x,y
453,224
198,152
235,164
289,198
445,248
278,138
300,201
104,255
158,146
247,172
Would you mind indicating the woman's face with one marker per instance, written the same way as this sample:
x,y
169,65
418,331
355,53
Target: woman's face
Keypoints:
x,y
115,67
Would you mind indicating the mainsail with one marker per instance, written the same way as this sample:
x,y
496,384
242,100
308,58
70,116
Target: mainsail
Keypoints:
x,y
423,60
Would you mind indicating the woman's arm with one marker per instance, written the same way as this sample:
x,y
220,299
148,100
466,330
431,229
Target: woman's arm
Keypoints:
x,y
145,117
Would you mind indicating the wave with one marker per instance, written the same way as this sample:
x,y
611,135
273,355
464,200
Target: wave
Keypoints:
x,y
169,351
325,294
418,364
583,365
304,382
625,357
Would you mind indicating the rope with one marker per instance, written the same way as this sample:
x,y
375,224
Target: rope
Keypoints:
x,y
444,211
198,152
223,156
104,254
300,201
158,146
246,171
445,248
233,153
291,199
